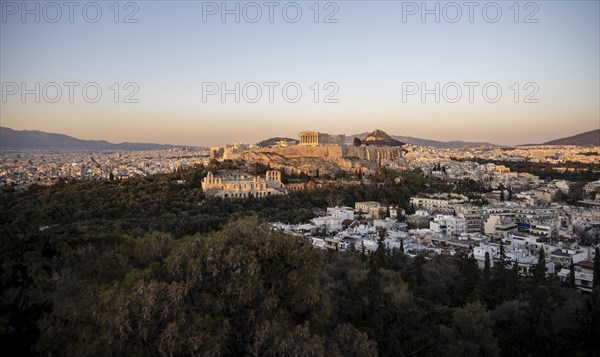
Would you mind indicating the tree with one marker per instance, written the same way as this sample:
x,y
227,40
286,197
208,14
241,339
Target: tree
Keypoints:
x,y
252,291
504,279
377,260
597,266
363,252
357,142
470,278
591,322
352,248
351,342
471,333
539,314
572,275
487,268
539,270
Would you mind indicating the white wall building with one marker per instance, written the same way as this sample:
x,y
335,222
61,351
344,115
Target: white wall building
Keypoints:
x,y
584,275
341,212
447,225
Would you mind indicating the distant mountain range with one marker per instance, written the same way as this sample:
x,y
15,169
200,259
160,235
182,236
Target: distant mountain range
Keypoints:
x,y
38,140
425,142
589,138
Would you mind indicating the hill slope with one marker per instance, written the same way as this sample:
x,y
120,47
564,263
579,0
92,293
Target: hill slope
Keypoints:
x,y
274,141
426,142
38,140
589,138
380,138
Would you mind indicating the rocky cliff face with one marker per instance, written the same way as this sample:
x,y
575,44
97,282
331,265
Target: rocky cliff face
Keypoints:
x,y
325,159
326,164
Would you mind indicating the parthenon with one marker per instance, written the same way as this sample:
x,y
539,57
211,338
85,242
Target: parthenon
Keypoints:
x,y
314,138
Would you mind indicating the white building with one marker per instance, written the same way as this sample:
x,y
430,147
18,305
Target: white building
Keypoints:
x,y
334,218
565,256
328,222
447,225
341,212
442,205
584,275
387,223
524,256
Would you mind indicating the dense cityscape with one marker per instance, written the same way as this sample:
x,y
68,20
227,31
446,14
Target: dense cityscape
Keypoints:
x,y
300,178
22,169
383,204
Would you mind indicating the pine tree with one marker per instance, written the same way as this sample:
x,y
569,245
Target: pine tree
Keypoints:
x,y
470,274
402,246
377,260
363,252
597,266
572,275
352,248
504,279
487,271
539,270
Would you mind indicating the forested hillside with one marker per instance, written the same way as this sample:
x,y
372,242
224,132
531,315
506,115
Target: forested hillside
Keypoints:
x,y
148,267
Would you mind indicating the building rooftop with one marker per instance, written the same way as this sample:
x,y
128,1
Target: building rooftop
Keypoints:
x,y
585,264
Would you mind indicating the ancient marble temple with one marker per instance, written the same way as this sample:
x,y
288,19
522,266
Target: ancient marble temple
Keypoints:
x,y
314,138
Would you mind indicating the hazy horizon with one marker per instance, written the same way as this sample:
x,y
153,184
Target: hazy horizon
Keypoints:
x,y
295,136
167,55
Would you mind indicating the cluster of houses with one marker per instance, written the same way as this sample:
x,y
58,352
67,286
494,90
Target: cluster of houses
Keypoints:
x,y
450,226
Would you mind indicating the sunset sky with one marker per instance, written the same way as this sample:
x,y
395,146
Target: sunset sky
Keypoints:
x,y
372,54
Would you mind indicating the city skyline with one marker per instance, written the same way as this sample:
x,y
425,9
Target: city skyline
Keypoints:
x,y
375,61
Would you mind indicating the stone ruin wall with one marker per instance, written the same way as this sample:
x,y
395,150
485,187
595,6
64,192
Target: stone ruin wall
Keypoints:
x,y
367,153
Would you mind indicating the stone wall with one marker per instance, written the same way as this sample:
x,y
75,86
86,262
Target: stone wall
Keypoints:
x,y
373,153
367,153
290,152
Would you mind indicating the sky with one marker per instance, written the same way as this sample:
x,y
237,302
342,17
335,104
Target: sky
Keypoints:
x,y
209,73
